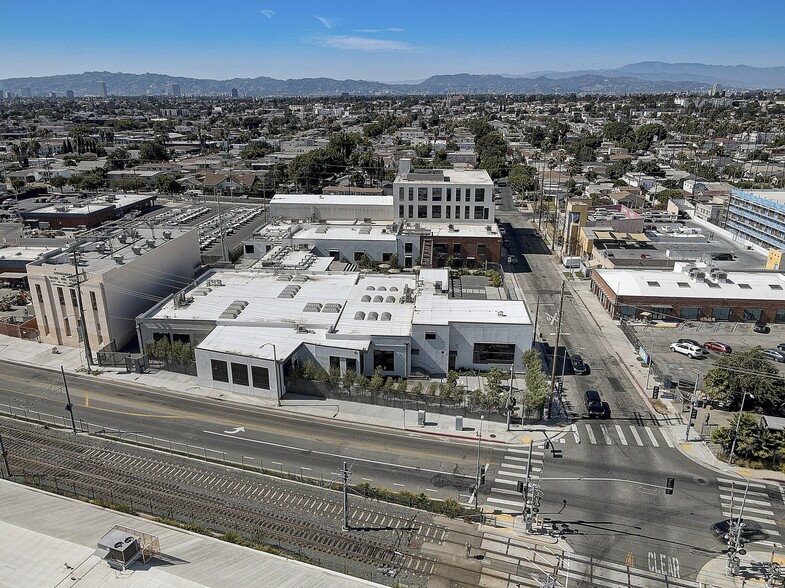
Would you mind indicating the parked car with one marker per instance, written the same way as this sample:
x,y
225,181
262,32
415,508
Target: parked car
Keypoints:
x,y
594,405
719,347
774,355
690,341
781,346
761,327
688,349
578,367
502,231
512,260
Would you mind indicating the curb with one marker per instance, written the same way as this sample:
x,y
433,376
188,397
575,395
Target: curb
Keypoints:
x,y
453,436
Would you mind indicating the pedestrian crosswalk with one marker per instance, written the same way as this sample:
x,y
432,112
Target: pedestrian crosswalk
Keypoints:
x,y
617,435
503,495
757,506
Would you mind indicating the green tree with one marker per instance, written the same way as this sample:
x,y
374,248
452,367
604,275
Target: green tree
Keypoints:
x,y
58,182
523,178
617,131
349,380
256,150
646,134
153,151
167,184
377,380
744,371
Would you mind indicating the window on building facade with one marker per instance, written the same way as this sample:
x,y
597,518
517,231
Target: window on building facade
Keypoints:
x,y
436,212
456,248
689,313
335,362
449,195
457,194
239,374
436,194
447,211
422,194
74,300
411,212
422,211
720,313
779,316
400,210
351,365
467,212
478,212
249,248
411,194
751,314
67,325
430,336
260,376
457,213
468,197
384,359
494,353
625,310
39,294
480,249
408,247
479,194
60,296
219,370
400,194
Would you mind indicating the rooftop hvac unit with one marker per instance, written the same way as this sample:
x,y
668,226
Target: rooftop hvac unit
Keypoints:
x,y
150,243
167,234
118,259
123,238
137,249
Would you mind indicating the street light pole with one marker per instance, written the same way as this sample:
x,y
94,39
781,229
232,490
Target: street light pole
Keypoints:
x,y
275,368
556,350
479,443
738,424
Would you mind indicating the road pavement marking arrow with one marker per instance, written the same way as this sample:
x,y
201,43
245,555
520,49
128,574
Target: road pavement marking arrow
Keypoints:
x,y
235,431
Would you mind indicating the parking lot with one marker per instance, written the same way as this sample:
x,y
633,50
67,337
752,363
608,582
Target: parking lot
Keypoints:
x,y
677,367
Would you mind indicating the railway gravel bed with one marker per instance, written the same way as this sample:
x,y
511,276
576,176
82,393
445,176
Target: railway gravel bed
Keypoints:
x,y
384,542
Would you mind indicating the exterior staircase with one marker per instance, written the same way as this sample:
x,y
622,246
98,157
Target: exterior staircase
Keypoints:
x,y
427,254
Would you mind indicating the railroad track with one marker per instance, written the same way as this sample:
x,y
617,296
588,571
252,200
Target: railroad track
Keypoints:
x,y
304,519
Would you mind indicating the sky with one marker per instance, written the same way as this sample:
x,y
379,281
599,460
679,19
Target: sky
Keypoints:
x,y
393,40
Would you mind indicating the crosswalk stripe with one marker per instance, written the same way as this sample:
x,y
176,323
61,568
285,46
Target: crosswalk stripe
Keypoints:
x,y
737,498
503,481
513,466
637,437
505,491
622,438
667,440
503,501
523,451
742,483
590,433
739,492
521,459
519,474
756,519
769,544
748,508
608,440
650,433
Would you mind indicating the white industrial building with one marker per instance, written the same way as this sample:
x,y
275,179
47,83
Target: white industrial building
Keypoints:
x,y
332,207
249,327
121,273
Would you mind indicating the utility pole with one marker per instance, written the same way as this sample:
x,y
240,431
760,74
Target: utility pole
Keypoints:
x,y
555,351
5,458
510,400
82,324
536,318
479,472
735,543
345,473
69,407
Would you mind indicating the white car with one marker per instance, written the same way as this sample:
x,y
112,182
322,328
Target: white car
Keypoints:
x,y
688,349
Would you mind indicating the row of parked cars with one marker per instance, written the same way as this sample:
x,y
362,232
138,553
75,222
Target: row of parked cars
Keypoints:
x,y
692,348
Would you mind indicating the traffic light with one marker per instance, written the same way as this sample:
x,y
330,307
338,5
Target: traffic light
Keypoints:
x,y
519,487
69,407
693,414
669,485
482,475
655,392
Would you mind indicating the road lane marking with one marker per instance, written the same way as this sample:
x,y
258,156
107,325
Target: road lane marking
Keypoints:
x,y
347,457
751,518
750,509
592,438
622,438
742,483
606,434
637,437
650,433
507,502
575,434
737,499
667,441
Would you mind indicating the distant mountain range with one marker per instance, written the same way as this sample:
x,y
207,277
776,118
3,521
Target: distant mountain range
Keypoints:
x,y
644,77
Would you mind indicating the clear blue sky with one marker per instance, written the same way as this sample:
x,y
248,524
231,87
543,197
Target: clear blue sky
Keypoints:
x,y
392,40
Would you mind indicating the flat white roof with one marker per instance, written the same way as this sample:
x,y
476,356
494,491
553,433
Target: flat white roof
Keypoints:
x,y
345,232
42,533
25,253
452,176
463,230
431,309
79,208
332,199
676,284
380,294
271,298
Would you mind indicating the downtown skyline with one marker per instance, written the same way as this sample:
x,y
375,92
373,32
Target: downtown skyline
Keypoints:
x,y
355,40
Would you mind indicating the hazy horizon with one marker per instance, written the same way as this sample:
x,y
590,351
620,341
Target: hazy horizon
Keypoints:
x,y
359,40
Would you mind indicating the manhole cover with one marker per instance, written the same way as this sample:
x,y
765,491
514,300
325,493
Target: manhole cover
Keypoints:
x,y
701,481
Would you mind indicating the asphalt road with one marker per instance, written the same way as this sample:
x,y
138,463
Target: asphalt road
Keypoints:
x,y
303,446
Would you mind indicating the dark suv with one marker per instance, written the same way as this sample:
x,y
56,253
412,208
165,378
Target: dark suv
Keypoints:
x,y
594,405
